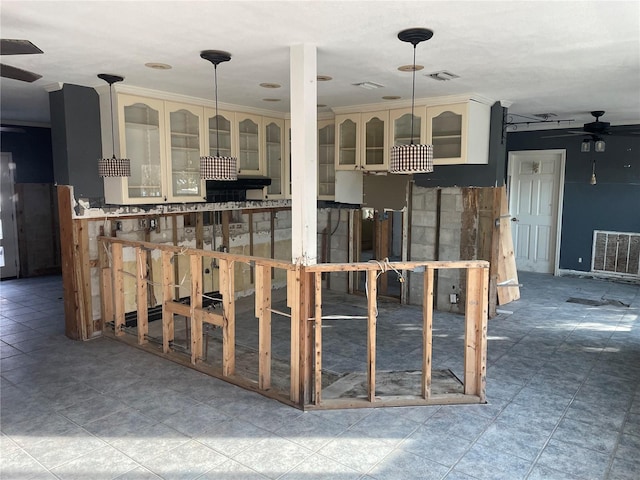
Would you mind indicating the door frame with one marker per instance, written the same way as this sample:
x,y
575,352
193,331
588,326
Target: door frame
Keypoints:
x,y
513,156
13,230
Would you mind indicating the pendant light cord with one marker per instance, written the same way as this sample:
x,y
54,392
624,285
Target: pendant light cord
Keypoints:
x,y
215,76
113,137
413,89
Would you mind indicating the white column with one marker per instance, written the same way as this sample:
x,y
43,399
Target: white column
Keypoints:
x,y
304,154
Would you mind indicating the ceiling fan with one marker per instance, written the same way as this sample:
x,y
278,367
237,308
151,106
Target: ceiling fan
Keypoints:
x,y
18,47
597,129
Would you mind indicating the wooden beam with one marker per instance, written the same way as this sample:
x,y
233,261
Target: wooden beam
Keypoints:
x,y
199,230
317,399
226,272
83,277
167,299
306,339
226,219
106,286
294,289
141,295
195,305
372,292
263,312
117,266
427,332
72,324
475,331
251,274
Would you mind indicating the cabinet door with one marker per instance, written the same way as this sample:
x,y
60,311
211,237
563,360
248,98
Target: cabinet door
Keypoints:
x,y
400,126
375,151
219,138
186,145
249,141
446,131
348,140
326,160
141,122
273,151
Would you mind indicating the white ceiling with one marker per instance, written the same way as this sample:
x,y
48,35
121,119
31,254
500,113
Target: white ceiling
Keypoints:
x,y
566,58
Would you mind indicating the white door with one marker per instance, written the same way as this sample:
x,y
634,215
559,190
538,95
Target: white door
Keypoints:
x,y
536,180
8,229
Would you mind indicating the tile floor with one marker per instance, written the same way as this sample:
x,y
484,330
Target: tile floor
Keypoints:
x,y
563,389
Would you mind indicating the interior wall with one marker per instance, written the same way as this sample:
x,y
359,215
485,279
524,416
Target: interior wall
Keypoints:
x,y
612,204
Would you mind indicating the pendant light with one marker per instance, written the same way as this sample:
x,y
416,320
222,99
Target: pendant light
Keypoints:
x,y
412,158
113,167
217,167
593,173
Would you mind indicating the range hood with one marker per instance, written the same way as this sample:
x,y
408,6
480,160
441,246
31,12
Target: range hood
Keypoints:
x,y
236,190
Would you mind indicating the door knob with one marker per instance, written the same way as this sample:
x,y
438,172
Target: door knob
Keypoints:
x,y
514,219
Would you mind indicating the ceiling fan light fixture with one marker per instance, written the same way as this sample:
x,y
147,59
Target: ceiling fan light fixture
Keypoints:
x,y
586,146
412,158
599,146
113,167
217,167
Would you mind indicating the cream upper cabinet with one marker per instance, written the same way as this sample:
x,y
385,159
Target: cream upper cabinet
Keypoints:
x,y
459,133
273,149
400,126
326,159
186,144
249,141
140,134
361,141
220,132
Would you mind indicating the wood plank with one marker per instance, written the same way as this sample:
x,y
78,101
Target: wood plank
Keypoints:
x,y
251,273
83,277
226,272
427,331
106,287
177,308
506,260
295,290
213,318
199,230
263,312
475,310
141,295
72,325
306,338
117,266
481,339
226,219
195,306
494,259
372,292
176,263
167,299
317,398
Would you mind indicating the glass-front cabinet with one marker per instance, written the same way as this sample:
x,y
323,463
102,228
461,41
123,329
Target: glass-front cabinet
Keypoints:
x,y
186,145
273,151
459,133
326,160
249,141
400,132
375,149
361,141
219,138
141,139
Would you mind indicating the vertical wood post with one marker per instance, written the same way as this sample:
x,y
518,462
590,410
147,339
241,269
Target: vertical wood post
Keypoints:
x,y
83,277
294,293
318,339
72,326
167,297
195,264
118,287
229,330
106,285
372,292
263,312
141,295
475,336
427,332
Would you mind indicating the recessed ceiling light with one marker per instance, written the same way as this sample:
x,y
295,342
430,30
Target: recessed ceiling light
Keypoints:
x,y
391,97
324,78
410,68
158,66
368,85
270,85
270,99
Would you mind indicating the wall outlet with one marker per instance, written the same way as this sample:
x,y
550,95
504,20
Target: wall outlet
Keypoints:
x,y
579,259
453,298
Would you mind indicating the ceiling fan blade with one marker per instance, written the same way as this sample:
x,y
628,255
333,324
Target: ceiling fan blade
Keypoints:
x,y
571,134
16,73
10,46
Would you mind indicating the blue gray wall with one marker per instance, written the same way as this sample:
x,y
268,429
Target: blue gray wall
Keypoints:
x,y
30,149
612,204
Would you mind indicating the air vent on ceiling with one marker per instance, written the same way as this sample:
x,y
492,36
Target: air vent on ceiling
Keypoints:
x,y
368,85
616,252
442,75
